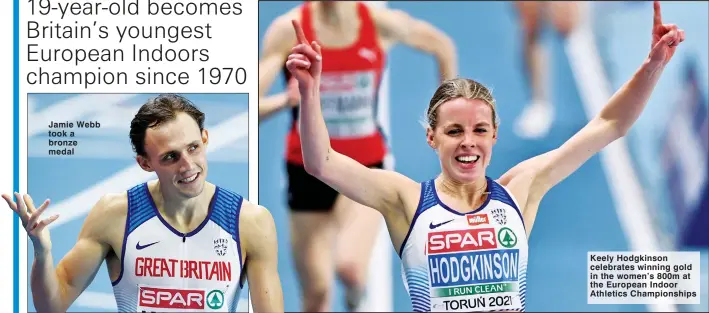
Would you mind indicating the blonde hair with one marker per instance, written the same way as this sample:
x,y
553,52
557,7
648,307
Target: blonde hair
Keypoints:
x,y
459,88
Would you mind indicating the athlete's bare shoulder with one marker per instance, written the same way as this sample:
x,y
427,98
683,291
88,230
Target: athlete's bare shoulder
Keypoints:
x,y
292,14
407,190
277,43
388,20
113,204
257,229
260,249
280,32
386,15
254,219
521,178
107,217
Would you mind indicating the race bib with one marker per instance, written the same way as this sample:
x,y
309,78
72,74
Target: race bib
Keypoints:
x,y
347,101
472,270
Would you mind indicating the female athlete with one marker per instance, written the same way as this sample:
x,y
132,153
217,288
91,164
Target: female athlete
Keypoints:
x,y
462,237
355,39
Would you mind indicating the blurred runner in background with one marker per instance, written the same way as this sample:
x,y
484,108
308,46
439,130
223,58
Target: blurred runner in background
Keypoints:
x,y
537,117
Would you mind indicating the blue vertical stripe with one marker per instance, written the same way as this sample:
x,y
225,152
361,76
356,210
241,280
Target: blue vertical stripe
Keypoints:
x,y
16,156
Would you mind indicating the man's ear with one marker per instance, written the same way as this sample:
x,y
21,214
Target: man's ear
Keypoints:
x,y
205,137
144,163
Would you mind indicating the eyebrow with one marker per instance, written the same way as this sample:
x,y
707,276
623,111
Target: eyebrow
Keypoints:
x,y
479,124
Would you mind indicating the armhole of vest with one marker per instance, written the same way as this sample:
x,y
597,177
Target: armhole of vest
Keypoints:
x,y
237,238
419,209
512,201
126,227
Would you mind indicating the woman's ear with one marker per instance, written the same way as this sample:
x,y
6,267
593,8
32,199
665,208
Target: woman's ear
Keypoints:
x,y
430,138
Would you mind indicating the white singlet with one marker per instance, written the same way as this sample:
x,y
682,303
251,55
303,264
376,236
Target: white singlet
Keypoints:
x,y
163,270
477,261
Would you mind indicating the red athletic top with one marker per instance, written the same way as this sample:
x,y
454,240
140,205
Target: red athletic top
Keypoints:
x,y
348,94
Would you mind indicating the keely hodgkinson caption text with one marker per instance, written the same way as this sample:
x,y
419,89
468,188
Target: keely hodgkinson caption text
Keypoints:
x,y
72,43
643,277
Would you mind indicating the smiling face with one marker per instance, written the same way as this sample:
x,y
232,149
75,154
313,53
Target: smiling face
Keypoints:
x,y
462,129
167,134
463,138
176,152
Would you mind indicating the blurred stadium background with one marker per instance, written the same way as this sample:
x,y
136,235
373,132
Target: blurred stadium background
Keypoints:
x,y
646,192
104,162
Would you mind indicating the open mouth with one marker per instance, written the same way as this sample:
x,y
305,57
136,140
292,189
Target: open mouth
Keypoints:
x,y
188,180
467,159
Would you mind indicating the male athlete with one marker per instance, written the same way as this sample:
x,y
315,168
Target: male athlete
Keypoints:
x,y
178,243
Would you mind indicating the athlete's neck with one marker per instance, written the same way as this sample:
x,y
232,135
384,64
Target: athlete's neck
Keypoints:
x,y
473,194
335,13
185,212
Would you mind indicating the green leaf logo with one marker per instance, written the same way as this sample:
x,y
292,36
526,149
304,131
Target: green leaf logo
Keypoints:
x,y
507,237
215,299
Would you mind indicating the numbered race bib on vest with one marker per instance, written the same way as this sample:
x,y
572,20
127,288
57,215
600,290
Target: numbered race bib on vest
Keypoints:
x,y
347,100
474,267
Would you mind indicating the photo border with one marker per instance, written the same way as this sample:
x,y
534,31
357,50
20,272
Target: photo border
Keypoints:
x,y
16,220
16,153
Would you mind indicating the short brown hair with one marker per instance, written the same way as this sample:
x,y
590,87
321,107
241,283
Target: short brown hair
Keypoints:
x,y
459,88
158,110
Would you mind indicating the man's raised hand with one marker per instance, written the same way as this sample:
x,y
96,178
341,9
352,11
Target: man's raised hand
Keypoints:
x,y
30,217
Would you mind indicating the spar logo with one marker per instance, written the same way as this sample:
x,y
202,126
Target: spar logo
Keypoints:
x,y
508,239
461,240
169,298
215,299
477,219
